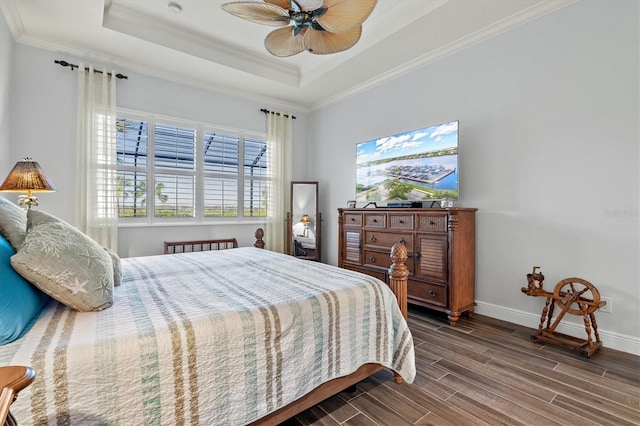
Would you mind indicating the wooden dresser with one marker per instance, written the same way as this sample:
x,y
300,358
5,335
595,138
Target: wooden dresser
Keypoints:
x,y
440,245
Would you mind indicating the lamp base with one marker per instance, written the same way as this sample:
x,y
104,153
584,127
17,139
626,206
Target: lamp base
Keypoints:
x,y
27,201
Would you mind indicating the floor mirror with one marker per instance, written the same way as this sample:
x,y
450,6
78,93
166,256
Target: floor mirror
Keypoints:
x,y
304,221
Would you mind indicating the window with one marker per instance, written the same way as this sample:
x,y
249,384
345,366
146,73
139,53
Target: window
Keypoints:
x,y
171,170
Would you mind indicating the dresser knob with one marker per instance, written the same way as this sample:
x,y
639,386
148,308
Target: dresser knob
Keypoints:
x,y
373,239
372,258
432,293
401,221
353,219
375,220
403,241
431,222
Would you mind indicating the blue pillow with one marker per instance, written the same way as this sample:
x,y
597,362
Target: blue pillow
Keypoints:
x,y
20,302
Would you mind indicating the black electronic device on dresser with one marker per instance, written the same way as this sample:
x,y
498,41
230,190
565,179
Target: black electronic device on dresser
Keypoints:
x,y
440,245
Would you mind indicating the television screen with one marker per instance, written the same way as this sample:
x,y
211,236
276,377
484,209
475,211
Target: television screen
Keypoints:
x,y
420,165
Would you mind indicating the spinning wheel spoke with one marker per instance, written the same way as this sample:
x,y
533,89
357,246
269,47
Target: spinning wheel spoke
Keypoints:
x,y
580,295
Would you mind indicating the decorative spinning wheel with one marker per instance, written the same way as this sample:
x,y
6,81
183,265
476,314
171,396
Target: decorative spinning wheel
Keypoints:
x,y
581,296
574,296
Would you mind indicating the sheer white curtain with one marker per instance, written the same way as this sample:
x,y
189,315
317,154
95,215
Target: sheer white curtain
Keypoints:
x,y
279,138
96,204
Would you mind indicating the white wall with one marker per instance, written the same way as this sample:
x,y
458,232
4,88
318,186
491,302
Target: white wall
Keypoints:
x,y
549,129
44,127
549,150
6,58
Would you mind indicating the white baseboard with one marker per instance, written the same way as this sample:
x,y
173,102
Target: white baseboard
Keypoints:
x,y
609,339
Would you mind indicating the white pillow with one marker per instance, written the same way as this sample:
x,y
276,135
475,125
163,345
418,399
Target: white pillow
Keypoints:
x,y
67,265
13,223
117,266
38,217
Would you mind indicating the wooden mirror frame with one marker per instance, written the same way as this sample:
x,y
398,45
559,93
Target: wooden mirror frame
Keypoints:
x,y
299,243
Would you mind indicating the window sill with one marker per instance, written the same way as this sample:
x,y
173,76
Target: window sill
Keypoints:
x,y
178,224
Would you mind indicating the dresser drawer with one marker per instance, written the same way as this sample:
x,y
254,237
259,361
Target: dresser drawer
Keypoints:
x,y
435,294
375,220
383,260
388,239
401,221
381,275
433,223
353,219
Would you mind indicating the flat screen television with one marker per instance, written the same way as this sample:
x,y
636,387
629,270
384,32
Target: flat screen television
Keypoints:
x,y
418,165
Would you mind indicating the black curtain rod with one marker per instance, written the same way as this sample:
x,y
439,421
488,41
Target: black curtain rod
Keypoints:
x,y
266,111
73,66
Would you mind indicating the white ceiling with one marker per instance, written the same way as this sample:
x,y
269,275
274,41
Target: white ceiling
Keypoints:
x,y
209,48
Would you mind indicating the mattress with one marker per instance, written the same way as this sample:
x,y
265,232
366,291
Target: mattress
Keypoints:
x,y
216,337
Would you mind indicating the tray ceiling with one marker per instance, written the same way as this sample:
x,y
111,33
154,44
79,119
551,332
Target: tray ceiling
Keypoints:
x,y
204,46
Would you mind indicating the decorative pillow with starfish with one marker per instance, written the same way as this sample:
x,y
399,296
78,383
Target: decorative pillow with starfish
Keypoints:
x,y
66,264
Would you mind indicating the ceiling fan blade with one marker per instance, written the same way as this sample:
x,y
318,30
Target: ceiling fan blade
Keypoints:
x,y
261,13
282,42
285,4
343,15
324,42
309,5
306,5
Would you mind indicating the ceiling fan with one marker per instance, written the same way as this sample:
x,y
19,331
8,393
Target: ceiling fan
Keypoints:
x,y
318,26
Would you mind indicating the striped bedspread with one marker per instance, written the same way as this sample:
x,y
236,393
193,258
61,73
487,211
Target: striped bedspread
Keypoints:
x,y
210,338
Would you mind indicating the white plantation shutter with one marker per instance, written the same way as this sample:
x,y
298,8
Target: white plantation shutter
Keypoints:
x,y
221,159
174,155
221,153
179,192
132,152
220,197
256,178
176,172
256,158
174,147
256,197
132,142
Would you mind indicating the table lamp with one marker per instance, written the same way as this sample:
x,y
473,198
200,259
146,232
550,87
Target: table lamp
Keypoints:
x,y
27,176
305,220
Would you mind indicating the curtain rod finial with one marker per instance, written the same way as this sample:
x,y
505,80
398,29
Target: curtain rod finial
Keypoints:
x,y
66,64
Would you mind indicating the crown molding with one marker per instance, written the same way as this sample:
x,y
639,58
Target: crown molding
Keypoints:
x,y
136,24
504,25
11,15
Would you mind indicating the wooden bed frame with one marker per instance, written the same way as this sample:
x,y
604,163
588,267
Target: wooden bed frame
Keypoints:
x,y
172,247
398,273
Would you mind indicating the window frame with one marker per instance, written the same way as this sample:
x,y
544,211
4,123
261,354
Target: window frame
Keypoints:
x,y
198,173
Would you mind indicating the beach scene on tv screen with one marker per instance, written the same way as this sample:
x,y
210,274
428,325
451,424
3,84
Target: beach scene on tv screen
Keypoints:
x,y
418,165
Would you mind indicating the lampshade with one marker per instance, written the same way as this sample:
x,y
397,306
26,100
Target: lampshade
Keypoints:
x,y
305,219
27,176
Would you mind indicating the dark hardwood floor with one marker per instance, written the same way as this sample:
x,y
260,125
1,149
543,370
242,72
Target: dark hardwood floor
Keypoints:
x,y
488,372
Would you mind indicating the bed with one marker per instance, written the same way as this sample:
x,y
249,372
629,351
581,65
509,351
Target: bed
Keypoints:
x,y
214,337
